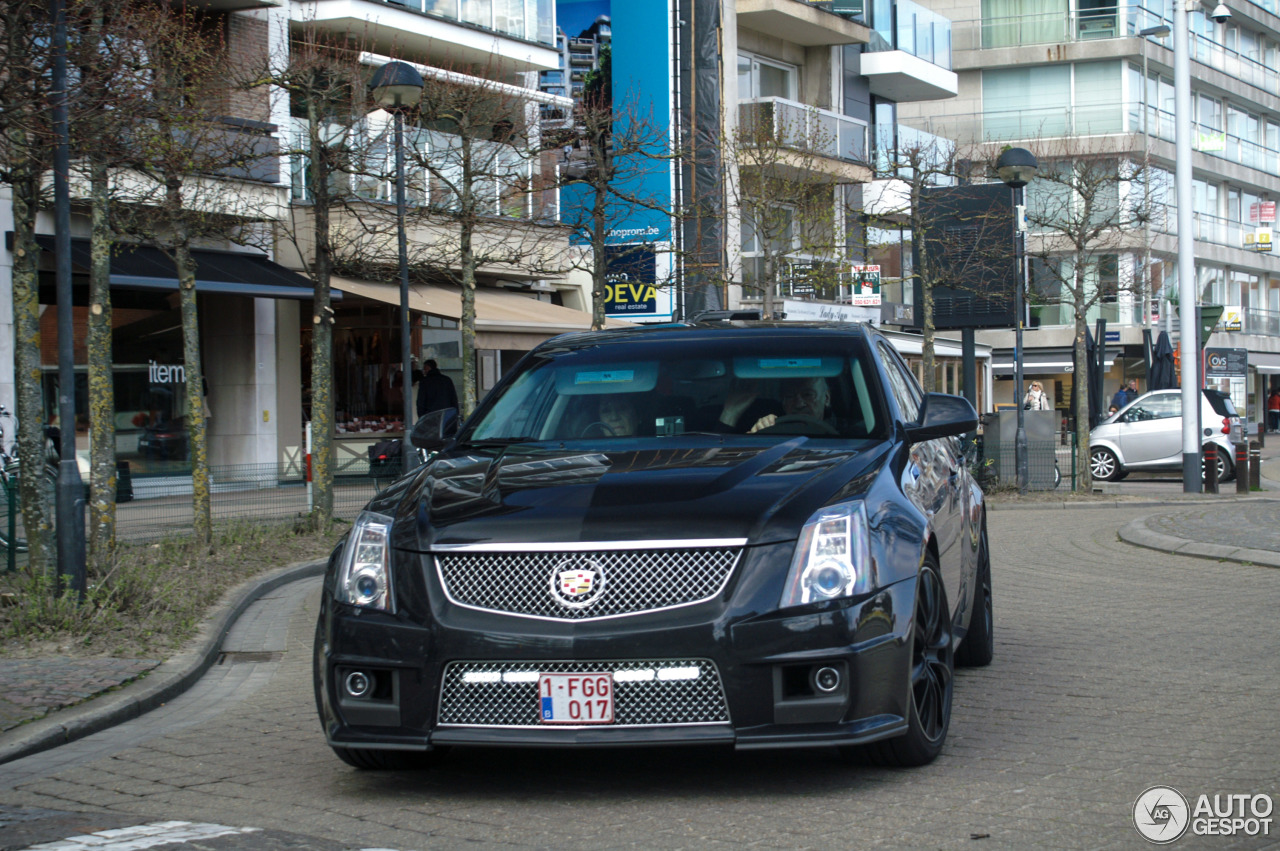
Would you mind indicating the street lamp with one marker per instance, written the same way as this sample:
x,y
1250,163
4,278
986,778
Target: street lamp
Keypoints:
x,y
1191,472
1158,31
1016,167
397,88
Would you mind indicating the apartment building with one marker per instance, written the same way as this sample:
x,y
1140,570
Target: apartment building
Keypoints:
x,y
1098,77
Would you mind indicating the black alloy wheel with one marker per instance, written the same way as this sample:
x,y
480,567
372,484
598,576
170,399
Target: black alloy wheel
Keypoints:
x,y
978,647
932,679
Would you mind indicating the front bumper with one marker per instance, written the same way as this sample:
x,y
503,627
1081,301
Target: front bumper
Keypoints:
x,y
765,661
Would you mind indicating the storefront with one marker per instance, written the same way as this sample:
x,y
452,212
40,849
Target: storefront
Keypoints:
x,y
249,318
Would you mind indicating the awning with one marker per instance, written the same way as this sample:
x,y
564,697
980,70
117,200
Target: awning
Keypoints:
x,y
143,267
1043,361
1265,362
508,320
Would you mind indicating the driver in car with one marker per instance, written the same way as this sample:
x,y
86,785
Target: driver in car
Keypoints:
x,y
801,397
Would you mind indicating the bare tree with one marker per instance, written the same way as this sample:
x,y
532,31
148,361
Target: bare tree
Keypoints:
x,y
184,184
24,159
1084,208
611,151
476,192
784,194
324,82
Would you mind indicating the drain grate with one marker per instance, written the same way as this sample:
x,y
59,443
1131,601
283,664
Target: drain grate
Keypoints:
x,y
234,657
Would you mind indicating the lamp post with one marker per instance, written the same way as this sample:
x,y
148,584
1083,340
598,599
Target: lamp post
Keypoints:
x,y
1191,473
397,88
1016,167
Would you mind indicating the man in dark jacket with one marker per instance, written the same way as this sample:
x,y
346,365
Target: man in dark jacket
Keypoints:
x,y
435,389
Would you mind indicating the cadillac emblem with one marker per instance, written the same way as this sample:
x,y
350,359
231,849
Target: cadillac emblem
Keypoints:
x,y
577,583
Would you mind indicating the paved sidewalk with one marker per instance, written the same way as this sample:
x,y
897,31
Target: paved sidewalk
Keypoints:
x,y
49,701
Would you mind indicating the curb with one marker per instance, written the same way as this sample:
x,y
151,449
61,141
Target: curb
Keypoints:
x,y
1136,532
1107,503
162,684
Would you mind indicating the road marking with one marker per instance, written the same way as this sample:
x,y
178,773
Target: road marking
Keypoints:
x,y
142,836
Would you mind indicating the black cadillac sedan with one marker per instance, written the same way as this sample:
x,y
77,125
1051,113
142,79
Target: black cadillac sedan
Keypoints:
x,y
757,535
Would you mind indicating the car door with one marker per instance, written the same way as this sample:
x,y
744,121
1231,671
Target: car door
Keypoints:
x,y
935,477
1151,431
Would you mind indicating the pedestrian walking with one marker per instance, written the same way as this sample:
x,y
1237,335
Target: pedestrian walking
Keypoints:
x,y
1273,409
1036,399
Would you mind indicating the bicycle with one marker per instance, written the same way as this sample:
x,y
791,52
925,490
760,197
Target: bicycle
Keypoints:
x,y
12,530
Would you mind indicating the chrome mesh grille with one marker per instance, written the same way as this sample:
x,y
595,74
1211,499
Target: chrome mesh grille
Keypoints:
x,y
520,583
641,699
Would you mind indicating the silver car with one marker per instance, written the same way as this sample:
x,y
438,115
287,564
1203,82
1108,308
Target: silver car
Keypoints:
x,y
1146,434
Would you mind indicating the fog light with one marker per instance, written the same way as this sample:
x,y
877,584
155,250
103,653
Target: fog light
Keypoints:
x,y
826,679
358,684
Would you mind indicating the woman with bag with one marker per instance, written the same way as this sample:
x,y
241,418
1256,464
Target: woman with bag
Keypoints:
x,y
1036,399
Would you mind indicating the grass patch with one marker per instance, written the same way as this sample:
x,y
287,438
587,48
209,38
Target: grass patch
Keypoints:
x,y
154,595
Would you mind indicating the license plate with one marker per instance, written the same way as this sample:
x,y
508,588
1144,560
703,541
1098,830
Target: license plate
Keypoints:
x,y
575,698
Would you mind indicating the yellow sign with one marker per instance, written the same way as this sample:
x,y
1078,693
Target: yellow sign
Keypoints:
x,y
1259,240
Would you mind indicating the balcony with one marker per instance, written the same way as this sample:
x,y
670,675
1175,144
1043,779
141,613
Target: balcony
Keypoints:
x,y
810,142
442,32
911,60
1121,21
799,22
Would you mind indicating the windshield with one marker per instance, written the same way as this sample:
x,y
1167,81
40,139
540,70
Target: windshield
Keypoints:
x,y
820,387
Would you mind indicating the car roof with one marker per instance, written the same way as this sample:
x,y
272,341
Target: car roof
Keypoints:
x,y
689,331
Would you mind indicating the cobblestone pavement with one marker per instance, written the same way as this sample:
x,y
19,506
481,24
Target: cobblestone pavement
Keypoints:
x,y
1254,526
1116,669
31,688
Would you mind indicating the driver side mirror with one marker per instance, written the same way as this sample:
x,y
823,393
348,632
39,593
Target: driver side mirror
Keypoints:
x,y
435,429
942,415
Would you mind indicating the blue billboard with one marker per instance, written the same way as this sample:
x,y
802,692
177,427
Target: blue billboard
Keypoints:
x,y
641,87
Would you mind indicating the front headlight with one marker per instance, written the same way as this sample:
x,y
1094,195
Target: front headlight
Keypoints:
x,y
364,577
833,556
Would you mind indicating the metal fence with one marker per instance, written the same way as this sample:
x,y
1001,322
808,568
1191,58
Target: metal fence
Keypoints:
x,y
1051,465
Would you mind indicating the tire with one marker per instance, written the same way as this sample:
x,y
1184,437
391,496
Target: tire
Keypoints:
x,y
979,646
932,674
1226,472
10,501
1104,465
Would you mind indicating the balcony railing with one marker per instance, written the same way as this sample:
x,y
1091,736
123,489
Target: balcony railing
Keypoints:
x,y
532,20
1120,21
803,128
899,149
1263,322
917,31
1207,140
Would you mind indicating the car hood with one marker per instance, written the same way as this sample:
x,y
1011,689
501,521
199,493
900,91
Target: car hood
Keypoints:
x,y
668,490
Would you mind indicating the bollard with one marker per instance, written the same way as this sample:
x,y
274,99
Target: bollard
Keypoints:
x,y
1210,468
1242,468
1255,466
1261,434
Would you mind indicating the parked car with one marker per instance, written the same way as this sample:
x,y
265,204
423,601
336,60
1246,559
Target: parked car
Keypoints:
x,y
562,574
1147,435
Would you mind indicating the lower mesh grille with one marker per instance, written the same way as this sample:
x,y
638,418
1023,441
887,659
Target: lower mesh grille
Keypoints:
x,y
502,694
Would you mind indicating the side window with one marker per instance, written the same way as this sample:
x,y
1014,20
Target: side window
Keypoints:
x,y
901,384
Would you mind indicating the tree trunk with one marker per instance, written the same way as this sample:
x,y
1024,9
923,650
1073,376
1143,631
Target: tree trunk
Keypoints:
x,y
197,439
468,323
322,425
600,258
1084,473
36,500
102,402
768,285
